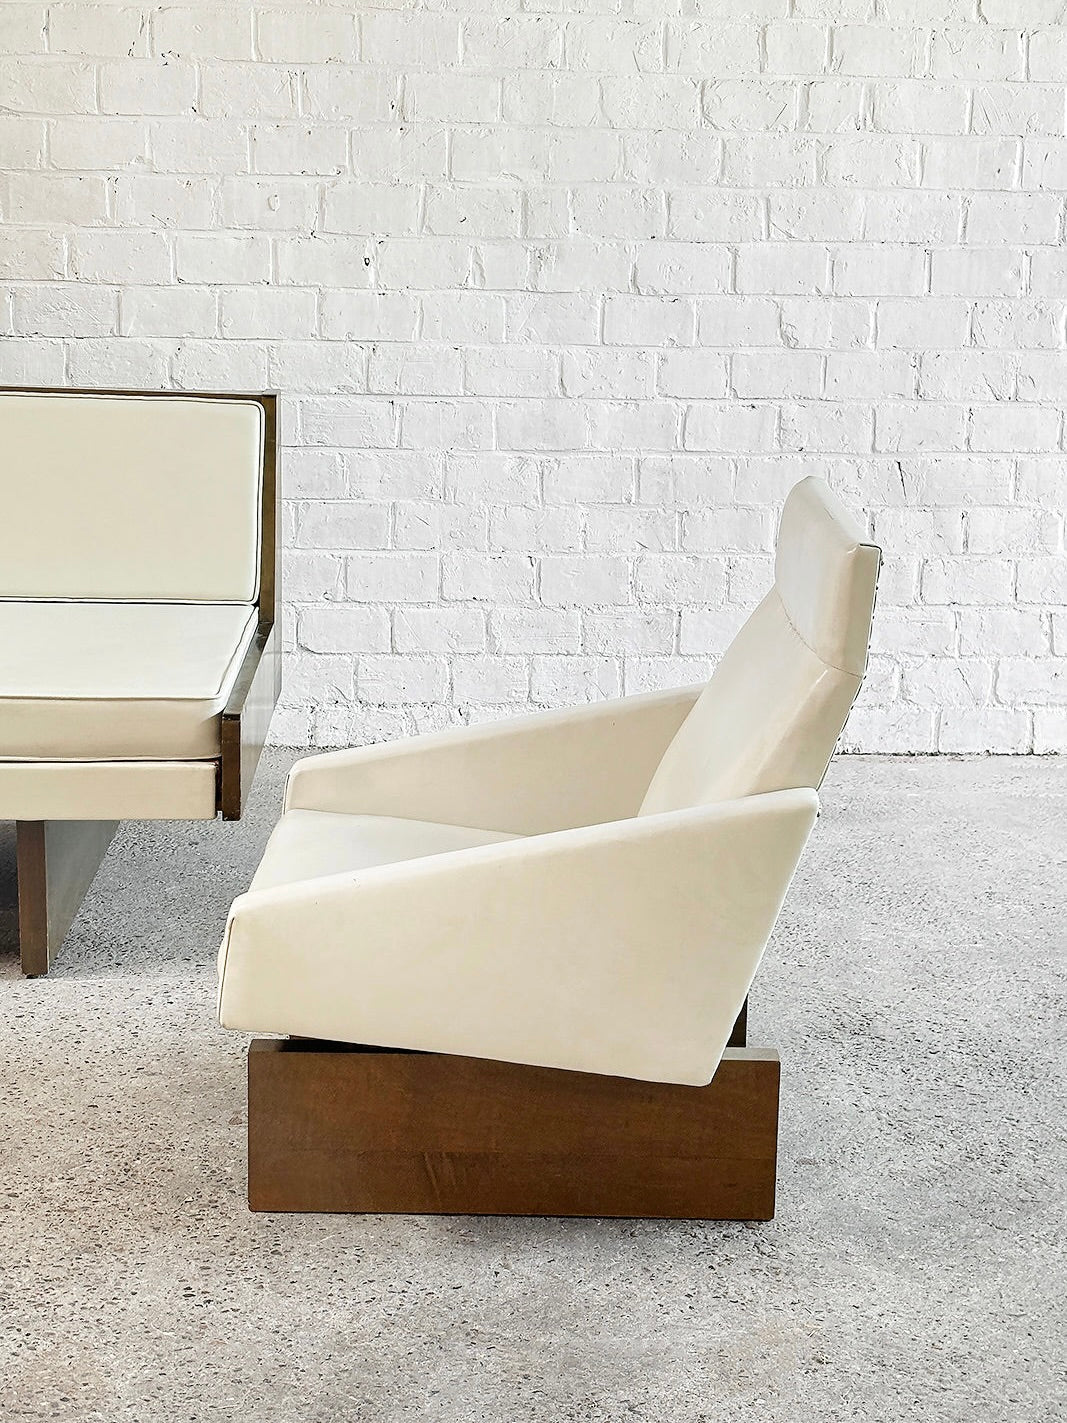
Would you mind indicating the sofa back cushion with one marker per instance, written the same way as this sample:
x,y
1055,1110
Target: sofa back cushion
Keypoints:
x,y
772,713
130,497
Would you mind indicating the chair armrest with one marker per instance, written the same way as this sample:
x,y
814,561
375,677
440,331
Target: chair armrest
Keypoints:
x,y
624,949
527,775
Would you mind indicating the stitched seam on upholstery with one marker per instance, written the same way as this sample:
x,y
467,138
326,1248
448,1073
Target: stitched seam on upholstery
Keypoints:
x,y
845,671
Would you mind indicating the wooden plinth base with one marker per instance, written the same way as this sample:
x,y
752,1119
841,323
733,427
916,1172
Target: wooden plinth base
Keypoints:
x,y
332,1128
56,861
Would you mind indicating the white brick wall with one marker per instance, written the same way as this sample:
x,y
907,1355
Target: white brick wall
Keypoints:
x,y
562,298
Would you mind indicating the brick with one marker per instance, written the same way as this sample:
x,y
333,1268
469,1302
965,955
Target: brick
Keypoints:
x,y
147,86
1048,53
1014,427
222,258
202,32
298,37
491,679
982,163
401,369
648,321
347,423
628,529
401,577
925,322
837,323
473,211
1004,218
47,86
340,91
366,316
730,426
776,375
833,429
299,148
979,52
1027,325
85,30
920,425
439,526
880,271
981,581
691,375
569,681
520,530
784,268
517,42
32,254
1017,109
339,628
269,204
376,209
732,321
488,578
967,375
64,309
876,50
121,362
872,160
200,145
751,106
109,255
977,273
921,106
151,200
438,630
446,425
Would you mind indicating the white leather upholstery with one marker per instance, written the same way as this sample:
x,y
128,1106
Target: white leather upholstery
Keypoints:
x,y
625,948
130,497
108,790
777,702
311,844
528,775
825,572
89,681
599,938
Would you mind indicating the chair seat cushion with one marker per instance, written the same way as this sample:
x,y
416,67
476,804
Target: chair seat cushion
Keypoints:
x,y
307,844
98,681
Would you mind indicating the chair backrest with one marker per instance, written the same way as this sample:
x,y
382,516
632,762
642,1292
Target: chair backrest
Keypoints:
x,y
771,714
141,497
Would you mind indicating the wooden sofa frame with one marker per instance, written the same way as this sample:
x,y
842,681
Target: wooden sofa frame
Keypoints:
x,y
56,860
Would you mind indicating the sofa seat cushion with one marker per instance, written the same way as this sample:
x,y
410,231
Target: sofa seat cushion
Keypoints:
x,y
307,844
85,681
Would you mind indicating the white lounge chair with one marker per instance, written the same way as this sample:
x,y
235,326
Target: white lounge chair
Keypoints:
x,y
585,895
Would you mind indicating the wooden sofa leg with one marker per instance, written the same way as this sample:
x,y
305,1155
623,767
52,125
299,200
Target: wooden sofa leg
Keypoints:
x,y
332,1128
56,861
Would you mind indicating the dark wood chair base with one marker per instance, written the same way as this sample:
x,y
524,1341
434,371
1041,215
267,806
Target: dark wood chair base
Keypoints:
x,y
56,861
334,1128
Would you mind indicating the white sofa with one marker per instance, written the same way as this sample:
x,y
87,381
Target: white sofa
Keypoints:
x,y
138,587
588,890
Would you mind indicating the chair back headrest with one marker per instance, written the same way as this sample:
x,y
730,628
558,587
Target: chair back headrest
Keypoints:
x,y
825,572
777,703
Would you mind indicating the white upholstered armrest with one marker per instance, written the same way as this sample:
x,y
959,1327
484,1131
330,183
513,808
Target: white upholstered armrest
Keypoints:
x,y
625,948
527,775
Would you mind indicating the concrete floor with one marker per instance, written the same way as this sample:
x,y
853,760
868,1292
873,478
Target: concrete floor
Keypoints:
x,y
915,988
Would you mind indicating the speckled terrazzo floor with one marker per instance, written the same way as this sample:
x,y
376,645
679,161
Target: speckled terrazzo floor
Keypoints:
x,y
916,990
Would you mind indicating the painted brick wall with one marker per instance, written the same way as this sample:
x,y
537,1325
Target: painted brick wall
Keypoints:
x,y
562,300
